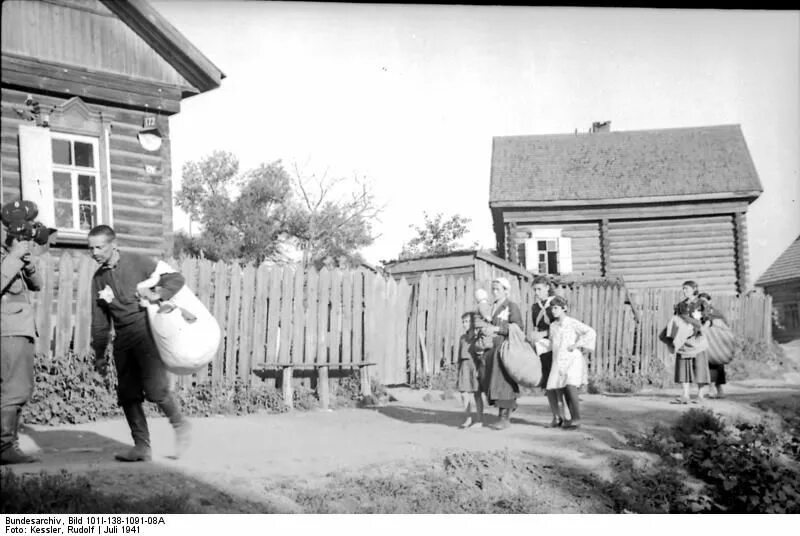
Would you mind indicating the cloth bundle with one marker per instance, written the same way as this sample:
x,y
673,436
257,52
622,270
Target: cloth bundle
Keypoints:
x,y
185,332
721,343
520,359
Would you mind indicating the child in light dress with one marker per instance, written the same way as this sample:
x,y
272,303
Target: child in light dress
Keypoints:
x,y
568,337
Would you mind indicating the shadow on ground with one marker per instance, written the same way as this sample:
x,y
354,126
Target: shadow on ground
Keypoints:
x,y
117,487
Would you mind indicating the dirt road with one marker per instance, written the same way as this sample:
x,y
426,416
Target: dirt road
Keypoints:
x,y
236,463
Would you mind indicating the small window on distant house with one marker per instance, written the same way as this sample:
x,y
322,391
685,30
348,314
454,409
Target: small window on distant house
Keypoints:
x,y
76,182
547,252
547,256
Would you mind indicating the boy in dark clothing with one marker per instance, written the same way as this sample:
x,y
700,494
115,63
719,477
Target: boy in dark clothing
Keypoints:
x,y
140,372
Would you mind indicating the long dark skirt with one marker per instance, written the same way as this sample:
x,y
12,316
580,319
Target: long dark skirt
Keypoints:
x,y
503,390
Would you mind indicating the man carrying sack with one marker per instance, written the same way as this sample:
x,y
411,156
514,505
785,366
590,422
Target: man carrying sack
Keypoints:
x,y
17,318
140,372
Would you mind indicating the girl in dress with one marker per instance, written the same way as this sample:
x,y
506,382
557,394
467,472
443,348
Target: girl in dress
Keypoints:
x,y
568,337
467,381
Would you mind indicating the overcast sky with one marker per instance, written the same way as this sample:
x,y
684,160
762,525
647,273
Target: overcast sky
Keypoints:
x,y
412,95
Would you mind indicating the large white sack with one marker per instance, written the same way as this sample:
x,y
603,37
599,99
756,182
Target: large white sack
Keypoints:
x,y
185,347
520,359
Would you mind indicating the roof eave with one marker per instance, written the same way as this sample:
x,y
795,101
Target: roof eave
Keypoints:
x,y
168,42
780,281
750,195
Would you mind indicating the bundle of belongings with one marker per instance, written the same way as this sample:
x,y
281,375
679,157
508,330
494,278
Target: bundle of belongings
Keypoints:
x,y
185,332
19,218
520,359
683,332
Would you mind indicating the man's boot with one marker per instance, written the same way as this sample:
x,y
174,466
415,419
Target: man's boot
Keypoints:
x,y
9,447
179,423
134,414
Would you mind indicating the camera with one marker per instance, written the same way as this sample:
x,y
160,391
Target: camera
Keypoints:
x,y
30,230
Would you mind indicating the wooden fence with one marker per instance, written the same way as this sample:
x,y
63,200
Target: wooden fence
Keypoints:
x,y
627,324
289,316
269,314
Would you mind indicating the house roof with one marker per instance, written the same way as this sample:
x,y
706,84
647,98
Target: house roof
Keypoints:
x,y
451,260
786,267
168,42
709,162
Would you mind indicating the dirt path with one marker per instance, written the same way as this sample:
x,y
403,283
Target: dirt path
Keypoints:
x,y
240,463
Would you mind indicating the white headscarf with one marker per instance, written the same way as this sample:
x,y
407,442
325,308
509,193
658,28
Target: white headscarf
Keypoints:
x,y
503,282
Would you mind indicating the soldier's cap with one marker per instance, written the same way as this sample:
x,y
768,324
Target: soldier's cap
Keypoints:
x,y
19,211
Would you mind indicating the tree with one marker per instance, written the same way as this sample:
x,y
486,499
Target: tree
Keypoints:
x,y
330,227
253,216
436,236
248,226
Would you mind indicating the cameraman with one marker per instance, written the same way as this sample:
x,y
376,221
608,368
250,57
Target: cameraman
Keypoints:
x,y
18,329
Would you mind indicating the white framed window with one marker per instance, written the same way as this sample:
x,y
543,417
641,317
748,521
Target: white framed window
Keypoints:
x,y
547,252
65,170
77,202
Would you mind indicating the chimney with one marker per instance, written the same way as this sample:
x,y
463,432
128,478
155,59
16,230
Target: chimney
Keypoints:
x,y
605,126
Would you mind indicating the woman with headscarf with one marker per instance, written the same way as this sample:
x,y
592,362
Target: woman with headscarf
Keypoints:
x,y
502,389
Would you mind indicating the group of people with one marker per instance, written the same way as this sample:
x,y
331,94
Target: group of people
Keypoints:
x,y
116,301
687,336
558,339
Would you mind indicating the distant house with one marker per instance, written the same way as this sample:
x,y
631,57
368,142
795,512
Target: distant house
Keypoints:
x,y
479,265
88,87
782,282
655,207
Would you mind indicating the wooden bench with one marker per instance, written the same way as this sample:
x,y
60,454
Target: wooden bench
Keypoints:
x,y
287,370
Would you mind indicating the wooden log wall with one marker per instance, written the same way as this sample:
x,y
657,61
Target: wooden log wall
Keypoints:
x,y
662,253
141,201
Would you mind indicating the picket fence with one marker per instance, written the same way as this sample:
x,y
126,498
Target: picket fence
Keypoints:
x,y
627,324
290,316
267,314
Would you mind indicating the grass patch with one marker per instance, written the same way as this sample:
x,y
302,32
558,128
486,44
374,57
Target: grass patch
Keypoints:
x,y
63,493
462,483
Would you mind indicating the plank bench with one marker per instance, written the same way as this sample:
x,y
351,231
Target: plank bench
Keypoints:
x,y
287,370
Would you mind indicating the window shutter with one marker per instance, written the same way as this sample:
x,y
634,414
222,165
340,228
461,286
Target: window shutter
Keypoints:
x,y
565,255
531,256
36,169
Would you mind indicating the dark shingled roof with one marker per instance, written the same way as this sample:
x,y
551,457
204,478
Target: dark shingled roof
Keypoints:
x,y
670,163
786,267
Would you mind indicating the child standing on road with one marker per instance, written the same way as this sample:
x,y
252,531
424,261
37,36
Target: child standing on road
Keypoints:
x,y
467,381
569,337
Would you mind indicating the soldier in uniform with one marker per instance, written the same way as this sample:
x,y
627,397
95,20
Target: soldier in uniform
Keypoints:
x,y
19,278
140,372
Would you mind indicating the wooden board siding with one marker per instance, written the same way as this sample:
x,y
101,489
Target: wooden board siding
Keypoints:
x,y
141,202
585,243
88,36
662,253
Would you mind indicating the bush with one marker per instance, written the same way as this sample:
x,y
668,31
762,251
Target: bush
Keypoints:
x,y
63,493
652,489
628,378
236,397
67,390
444,380
747,465
758,359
